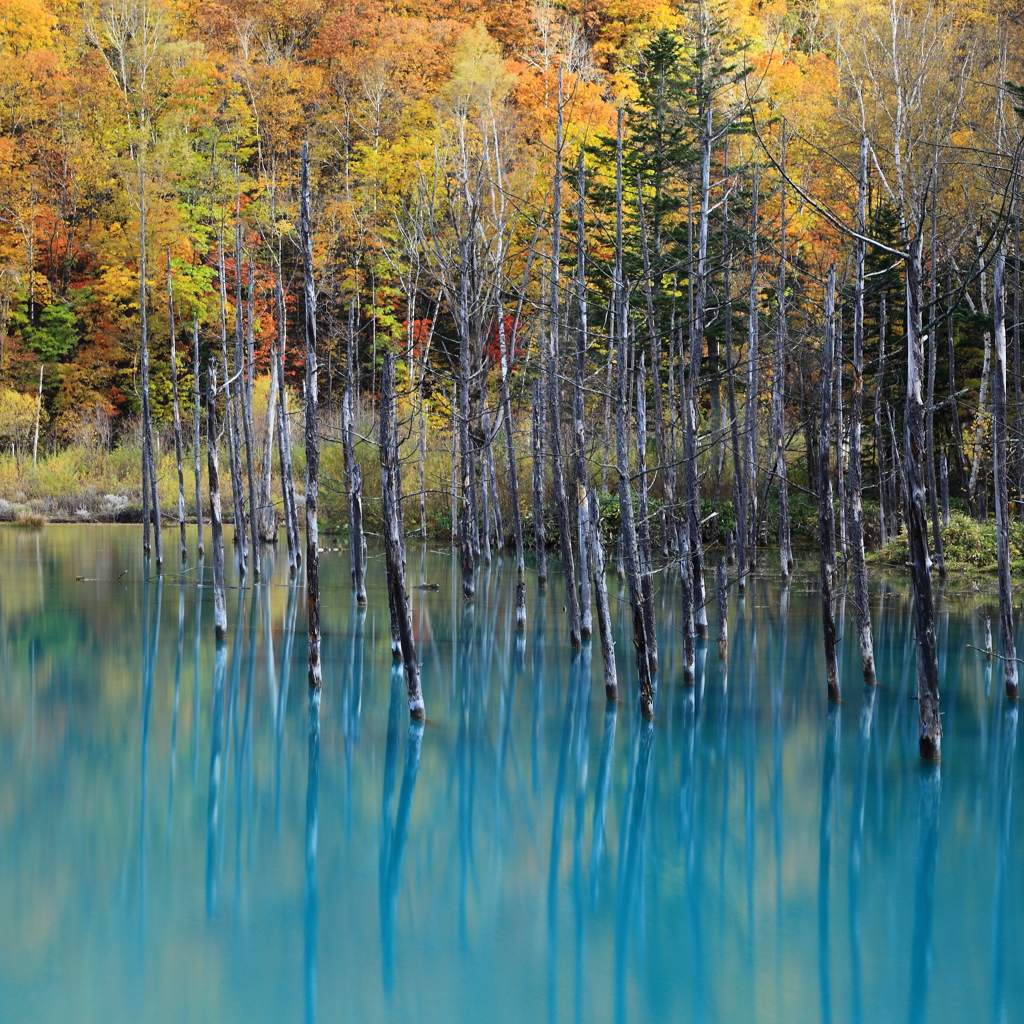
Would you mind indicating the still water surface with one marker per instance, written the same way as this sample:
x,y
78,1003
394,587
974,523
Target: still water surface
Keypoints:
x,y
176,845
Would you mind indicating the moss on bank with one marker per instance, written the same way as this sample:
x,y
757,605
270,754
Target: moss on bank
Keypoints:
x,y
969,547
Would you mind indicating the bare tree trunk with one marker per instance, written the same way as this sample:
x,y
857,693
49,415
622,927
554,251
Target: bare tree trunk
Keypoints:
x,y
467,508
958,439
220,608
353,470
644,526
572,610
312,435
513,472
176,413
750,412
197,437
1006,631
779,402
229,416
247,432
723,611
400,610
883,481
929,721
284,440
978,446
860,572
150,510
604,619
539,533
826,514
840,442
578,411
267,512
39,412
629,546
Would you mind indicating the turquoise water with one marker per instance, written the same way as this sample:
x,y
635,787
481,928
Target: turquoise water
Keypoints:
x,y
177,844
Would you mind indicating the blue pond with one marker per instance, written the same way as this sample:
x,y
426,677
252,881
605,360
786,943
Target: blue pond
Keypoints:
x,y
178,844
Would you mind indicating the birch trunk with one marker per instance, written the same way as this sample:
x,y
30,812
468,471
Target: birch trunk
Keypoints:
x,y
353,470
629,545
393,545
176,414
929,721
312,435
1000,466
539,532
604,619
860,572
197,437
826,515
220,608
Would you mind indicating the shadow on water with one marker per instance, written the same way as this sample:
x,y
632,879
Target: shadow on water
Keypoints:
x,y
395,825
929,803
312,903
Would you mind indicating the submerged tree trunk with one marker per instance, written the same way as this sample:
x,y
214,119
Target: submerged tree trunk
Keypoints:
x,y
929,721
604,619
779,405
554,402
247,431
150,508
267,519
353,469
197,436
539,533
860,572
513,472
749,547
1000,471
644,526
629,545
229,416
220,608
826,515
284,441
393,546
176,413
312,435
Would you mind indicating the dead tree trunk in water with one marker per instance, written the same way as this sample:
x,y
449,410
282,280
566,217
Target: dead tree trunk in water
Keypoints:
x,y
578,412
229,415
353,469
467,508
1000,473
247,431
750,418
779,399
644,527
629,547
604,619
860,572
554,400
826,515
284,440
150,507
929,721
267,518
176,413
513,471
393,545
220,608
723,611
312,436
197,436
539,532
